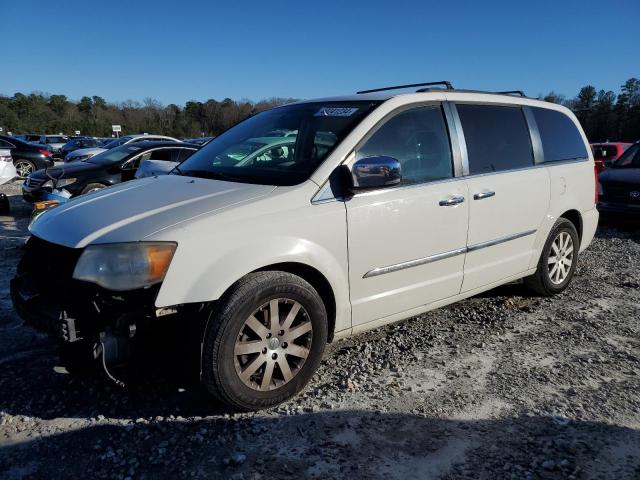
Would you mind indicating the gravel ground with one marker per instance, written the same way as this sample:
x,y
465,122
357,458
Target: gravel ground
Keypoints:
x,y
504,385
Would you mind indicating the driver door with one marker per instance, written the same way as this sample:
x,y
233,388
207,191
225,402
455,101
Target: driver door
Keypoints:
x,y
407,244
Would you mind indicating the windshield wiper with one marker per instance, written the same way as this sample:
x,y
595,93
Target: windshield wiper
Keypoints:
x,y
212,175
177,169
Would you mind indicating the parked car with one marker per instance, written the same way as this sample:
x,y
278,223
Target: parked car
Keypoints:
x,y
84,153
108,168
620,184
262,149
81,142
7,168
199,140
421,200
155,167
604,154
27,157
56,142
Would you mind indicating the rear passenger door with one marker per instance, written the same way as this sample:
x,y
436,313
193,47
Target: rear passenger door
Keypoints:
x,y
508,196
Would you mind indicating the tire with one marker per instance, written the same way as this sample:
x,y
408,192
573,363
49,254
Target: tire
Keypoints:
x,y
547,281
24,168
228,332
92,187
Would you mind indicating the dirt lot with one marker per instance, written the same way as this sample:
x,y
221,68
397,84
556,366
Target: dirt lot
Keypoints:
x,y
505,385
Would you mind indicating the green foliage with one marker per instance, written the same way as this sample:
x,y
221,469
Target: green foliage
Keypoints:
x,y
605,116
42,113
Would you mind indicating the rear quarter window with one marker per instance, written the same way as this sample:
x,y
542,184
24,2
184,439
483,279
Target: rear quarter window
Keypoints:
x,y
560,137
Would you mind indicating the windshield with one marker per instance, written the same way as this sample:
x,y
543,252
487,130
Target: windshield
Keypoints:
x,y
630,158
57,140
116,143
115,155
281,146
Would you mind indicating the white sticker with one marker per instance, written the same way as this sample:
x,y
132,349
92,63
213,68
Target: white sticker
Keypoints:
x,y
335,112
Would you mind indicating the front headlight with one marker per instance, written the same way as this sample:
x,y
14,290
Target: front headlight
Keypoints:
x,y
125,266
63,182
47,184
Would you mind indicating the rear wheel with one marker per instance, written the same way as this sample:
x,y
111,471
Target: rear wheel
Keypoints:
x,y
558,261
264,340
24,168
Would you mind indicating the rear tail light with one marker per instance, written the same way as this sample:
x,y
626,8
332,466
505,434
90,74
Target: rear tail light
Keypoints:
x,y
46,153
5,158
596,194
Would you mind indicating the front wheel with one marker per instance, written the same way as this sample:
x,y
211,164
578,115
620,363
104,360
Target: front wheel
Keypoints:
x,y
263,341
558,261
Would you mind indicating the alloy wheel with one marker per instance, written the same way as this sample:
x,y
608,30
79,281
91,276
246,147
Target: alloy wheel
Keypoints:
x,y
273,344
23,168
560,258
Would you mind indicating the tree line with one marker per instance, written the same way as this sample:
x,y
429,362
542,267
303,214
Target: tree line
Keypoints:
x,y
93,116
604,115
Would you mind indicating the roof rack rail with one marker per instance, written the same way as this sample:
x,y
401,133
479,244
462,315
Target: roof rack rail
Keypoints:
x,y
447,86
512,92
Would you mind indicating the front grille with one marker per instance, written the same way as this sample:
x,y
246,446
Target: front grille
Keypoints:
x,y
33,182
49,266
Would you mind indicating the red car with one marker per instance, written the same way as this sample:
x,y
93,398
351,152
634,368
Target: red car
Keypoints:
x,y
606,153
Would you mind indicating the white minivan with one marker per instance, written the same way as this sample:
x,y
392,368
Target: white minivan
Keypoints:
x,y
382,206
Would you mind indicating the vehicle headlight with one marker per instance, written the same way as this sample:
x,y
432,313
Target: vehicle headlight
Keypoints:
x,y
125,266
63,182
47,184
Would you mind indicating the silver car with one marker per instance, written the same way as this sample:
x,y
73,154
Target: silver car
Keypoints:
x,y
84,153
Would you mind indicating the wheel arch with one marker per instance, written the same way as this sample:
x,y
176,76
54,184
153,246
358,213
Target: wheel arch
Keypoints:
x,y
317,280
574,217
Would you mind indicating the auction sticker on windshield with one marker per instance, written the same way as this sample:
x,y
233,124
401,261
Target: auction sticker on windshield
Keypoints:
x,y
335,112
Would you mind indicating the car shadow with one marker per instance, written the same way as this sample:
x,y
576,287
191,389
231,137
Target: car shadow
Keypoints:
x,y
330,444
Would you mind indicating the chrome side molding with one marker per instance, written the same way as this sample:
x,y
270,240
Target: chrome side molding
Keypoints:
x,y
413,263
441,256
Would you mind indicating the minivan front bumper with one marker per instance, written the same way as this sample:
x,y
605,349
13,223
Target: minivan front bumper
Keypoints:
x,y
47,298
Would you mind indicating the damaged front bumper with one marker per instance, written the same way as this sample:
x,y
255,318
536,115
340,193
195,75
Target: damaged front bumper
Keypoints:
x,y
109,326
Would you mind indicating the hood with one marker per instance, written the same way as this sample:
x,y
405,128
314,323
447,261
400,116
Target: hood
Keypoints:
x,y
132,211
630,176
68,170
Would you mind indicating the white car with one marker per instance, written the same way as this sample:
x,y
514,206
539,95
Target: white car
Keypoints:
x,y
386,206
84,153
7,169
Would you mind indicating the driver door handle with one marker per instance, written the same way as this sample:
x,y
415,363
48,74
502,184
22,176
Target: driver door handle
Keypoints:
x,y
448,202
481,195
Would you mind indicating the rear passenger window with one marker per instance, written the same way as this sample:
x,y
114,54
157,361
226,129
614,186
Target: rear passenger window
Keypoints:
x,y
560,138
418,139
497,138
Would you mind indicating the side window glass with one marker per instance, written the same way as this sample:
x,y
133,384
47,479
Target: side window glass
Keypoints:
x,y
561,140
419,140
497,138
181,154
162,154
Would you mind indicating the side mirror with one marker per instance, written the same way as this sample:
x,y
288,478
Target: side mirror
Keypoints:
x,y
375,172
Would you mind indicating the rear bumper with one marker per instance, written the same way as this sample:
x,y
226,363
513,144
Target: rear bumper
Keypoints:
x,y
613,207
589,225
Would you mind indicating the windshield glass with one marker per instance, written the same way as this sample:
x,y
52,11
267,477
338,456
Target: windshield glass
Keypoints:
x,y
116,143
281,146
115,155
57,140
630,158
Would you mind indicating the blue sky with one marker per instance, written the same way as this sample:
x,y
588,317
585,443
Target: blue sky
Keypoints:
x,y
178,51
